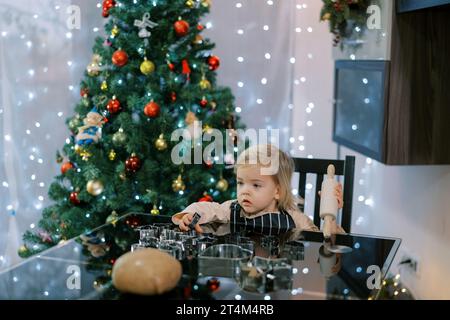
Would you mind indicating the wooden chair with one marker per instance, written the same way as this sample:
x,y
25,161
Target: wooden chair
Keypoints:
x,y
345,168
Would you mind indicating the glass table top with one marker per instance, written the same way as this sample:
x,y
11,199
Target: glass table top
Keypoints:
x,y
293,266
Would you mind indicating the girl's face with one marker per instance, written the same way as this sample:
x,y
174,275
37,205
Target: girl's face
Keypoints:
x,y
256,192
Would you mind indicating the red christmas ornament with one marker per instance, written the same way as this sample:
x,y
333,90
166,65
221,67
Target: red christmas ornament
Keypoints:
x,y
206,198
133,163
185,68
208,164
214,62
187,292
84,92
66,166
113,105
105,114
203,102
181,28
200,27
74,198
337,6
213,284
170,65
112,261
173,96
152,109
119,58
107,4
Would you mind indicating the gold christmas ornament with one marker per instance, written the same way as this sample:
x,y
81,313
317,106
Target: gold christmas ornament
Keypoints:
x,y
123,176
190,4
205,84
207,129
119,138
213,105
190,118
94,187
115,31
112,155
326,16
85,101
161,143
23,249
85,155
222,185
178,184
75,122
93,68
147,67
104,86
112,218
198,39
59,157
206,3
82,152
154,211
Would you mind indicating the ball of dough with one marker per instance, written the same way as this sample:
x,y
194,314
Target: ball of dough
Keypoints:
x,y
146,272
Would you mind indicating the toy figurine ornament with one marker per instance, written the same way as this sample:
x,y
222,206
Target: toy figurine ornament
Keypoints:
x,y
91,132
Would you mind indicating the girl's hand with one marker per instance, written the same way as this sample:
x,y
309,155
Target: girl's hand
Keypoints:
x,y
186,220
339,195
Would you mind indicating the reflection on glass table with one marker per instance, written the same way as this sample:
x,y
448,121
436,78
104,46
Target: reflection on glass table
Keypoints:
x,y
216,265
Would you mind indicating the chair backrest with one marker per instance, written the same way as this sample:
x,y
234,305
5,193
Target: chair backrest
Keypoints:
x,y
319,167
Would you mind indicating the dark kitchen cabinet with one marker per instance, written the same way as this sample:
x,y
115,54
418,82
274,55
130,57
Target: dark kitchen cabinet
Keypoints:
x,y
406,119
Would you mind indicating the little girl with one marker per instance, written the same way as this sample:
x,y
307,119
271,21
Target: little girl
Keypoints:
x,y
265,202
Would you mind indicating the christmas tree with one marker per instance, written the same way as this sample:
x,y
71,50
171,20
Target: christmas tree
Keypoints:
x,y
153,74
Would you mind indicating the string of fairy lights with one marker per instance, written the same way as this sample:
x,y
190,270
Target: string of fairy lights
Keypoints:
x,y
37,176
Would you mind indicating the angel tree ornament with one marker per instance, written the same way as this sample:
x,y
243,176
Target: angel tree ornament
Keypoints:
x,y
144,24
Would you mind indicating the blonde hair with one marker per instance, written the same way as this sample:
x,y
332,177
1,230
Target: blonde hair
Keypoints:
x,y
270,157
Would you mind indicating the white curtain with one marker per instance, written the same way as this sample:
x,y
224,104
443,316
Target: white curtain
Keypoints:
x,y
37,68
255,41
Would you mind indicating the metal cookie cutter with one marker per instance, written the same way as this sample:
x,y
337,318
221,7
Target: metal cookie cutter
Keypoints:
x,y
194,221
222,260
265,275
